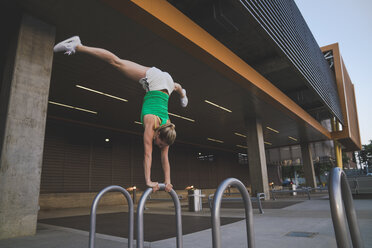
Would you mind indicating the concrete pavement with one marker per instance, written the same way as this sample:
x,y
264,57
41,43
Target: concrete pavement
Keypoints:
x,y
271,229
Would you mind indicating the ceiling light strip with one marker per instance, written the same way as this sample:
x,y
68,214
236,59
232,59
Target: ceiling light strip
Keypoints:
x,y
267,143
292,138
245,147
215,140
72,107
182,117
241,135
218,106
272,129
101,93
137,122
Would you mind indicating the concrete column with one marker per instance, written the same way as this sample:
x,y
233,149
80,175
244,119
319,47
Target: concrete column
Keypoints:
x,y
308,165
256,158
25,89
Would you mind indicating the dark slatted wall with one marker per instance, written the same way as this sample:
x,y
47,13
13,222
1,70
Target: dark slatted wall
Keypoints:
x,y
78,159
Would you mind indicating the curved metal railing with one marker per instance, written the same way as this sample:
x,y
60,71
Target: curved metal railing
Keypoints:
x,y
339,192
93,213
140,210
216,235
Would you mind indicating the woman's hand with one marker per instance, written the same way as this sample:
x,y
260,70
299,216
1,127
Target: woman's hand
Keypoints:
x,y
154,185
168,187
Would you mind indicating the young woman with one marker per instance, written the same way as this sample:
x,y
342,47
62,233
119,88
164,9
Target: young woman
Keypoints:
x,y
154,116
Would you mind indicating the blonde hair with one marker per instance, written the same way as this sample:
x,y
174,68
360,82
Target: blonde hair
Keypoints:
x,y
167,133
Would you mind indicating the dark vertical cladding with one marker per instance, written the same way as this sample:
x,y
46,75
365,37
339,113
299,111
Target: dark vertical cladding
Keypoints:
x,y
284,23
273,38
77,158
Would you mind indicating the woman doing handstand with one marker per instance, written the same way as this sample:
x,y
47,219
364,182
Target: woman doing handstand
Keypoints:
x,y
158,85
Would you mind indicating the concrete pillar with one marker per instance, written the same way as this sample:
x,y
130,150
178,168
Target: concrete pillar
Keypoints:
x,y
256,158
308,165
25,89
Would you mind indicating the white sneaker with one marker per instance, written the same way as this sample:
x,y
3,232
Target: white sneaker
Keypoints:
x,y
68,46
184,100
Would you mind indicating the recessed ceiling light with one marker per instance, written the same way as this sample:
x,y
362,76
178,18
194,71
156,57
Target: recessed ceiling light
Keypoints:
x,y
182,117
73,107
218,106
101,93
107,140
272,129
241,135
245,147
215,140
292,138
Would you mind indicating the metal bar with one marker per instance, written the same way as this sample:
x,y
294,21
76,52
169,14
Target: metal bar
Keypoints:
x,y
93,213
339,195
140,210
216,234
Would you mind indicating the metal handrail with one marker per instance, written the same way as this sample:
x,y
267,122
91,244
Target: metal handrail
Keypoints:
x,y
93,213
140,210
216,235
339,192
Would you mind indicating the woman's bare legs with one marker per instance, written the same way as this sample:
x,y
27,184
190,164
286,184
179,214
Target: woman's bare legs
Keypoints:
x,y
130,69
182,92
178,88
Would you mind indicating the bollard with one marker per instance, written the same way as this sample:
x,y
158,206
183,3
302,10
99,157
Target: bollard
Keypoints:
x,y
134,194
92,232
140,210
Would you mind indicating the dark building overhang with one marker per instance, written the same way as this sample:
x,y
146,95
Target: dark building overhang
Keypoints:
x,y
156,33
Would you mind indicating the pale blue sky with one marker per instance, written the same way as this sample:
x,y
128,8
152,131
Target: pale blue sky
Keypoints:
x,y
349,23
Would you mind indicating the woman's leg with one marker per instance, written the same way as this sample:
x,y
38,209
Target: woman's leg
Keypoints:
x,y
130,69
182,92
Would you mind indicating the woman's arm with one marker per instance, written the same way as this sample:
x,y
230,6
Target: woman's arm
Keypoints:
x,y
166,168
148,136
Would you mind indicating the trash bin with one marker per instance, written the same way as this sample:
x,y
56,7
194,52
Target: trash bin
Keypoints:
x,y
195,203
294,187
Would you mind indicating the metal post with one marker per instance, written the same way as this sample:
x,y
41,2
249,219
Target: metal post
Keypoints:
x,y
134,194
140,210
92,232
339,192
216,235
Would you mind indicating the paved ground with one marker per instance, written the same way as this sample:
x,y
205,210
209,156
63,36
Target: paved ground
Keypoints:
x,y
271,229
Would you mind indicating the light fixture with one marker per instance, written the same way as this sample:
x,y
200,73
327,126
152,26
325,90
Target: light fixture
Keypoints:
x,y
272,129
218,106
292,138
72,107
182,117
241,135
246,147
215,140
137,122
107,140
267,143
101,93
